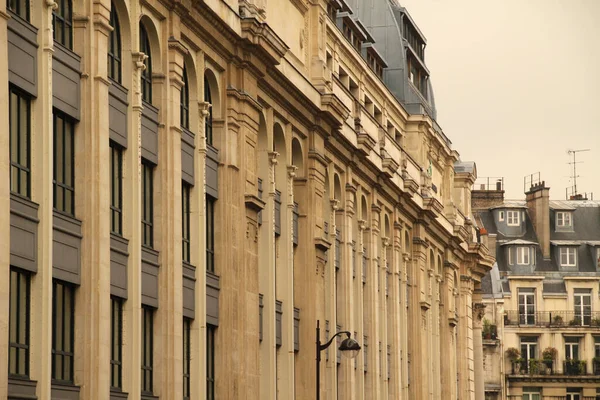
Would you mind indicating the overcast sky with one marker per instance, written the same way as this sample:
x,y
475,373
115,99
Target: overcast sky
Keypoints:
x,y
517,84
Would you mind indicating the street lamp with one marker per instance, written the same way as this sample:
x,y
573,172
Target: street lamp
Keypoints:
x,y
349,348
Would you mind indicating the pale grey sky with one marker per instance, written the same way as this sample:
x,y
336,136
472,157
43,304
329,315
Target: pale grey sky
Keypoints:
x,y
517,84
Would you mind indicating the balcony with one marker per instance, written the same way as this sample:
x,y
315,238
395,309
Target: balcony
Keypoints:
x,y
541,367
553,319
520,397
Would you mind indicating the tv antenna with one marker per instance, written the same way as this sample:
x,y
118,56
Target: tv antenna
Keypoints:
x,y
574,164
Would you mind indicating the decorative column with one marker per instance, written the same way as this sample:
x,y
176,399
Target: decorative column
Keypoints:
x,y
465,339
330,302
405,298
361,309
478,313
4,203
93,311
397,312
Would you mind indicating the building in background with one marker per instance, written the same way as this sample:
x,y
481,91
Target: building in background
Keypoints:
x,y
542,298
187,187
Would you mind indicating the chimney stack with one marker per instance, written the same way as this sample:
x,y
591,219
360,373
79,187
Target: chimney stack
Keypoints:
x,y
538,204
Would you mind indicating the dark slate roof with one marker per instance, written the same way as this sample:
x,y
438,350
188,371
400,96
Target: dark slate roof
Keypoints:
x,y
505,286
487,219
586,225
555,287
486,284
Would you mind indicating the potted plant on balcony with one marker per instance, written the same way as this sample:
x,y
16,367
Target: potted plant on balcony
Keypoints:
x,y
549,355
513,354
596,322
574,367
575,322
534,366
558,320
489,330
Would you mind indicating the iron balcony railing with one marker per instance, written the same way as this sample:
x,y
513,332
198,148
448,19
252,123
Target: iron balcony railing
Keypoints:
x,y
553,319
548,367
520,397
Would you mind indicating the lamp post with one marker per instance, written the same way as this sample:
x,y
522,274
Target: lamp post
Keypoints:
x,y
349,348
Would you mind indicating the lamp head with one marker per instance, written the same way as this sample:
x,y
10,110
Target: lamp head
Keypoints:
x,y
349,347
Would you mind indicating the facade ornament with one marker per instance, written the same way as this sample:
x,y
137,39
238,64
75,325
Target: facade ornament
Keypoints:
x,y
478,312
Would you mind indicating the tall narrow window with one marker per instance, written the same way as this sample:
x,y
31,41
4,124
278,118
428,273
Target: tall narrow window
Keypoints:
x,y
147,204
210,362
147,349
114,46
20,156
187,323
184,100
147,72
116,343
185,221
208,120
526,306
210,234
19,7
582,301
64,161
62,23
528,349
572,348
116,189
18,324
63,331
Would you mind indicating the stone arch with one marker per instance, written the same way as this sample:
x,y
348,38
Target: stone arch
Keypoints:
x,y
364,211
386,226
154,40
337,188
406,241
440,267
211,80
297,156
431,260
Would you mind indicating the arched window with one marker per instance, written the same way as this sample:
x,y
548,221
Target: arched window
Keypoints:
x,y
184,100
114,46
62,23
147,72
209,118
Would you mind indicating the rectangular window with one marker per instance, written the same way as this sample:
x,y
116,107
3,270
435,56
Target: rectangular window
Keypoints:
x,y
187,323
523,255
531,395
582,301
572,348
116,343
210,234
563,219
501,216
116,188
526,306
147,349
19,7
512,218
210,362
62,21
510,255
528,348
63,331
18,324
64,162
20,139
568,256
597,347
147,204
185,221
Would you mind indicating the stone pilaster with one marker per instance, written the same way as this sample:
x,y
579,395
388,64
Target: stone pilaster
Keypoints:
x,y
465,339
4,203
478,313
93,309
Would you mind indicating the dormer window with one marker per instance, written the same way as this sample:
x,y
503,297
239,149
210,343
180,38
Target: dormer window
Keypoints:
x,y
564,219
568,256
512,218
351,35
522,255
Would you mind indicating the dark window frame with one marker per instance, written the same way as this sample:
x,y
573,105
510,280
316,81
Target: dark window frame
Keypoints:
x,y
58,335
68,156
186,189
114,46
116,343
18,341
187,359
210,233
210,361
62,23
19,7
116,189
146,75
147,379
147,204
184,102
20,137
208,120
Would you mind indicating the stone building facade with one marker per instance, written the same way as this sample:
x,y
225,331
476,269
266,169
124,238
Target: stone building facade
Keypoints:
x,y
542,319
187,187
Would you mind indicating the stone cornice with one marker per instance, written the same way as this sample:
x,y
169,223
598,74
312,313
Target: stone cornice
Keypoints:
x,y
263,40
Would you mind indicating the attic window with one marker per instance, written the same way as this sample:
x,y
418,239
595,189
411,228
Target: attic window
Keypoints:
x,y
351,35
564,219
417,75
512,218
501,216
568,256
331,11
374,64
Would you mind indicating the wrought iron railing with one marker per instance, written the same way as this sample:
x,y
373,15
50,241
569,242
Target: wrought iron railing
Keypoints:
x,y
553,319
533,367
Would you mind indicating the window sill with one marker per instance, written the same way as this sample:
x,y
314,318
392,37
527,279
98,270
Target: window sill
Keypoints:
x,y
117,394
